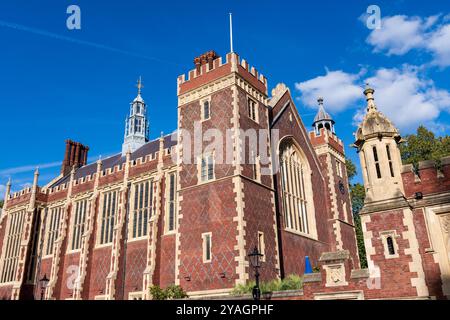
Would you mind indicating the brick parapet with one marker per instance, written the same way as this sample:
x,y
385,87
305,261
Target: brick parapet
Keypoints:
x,y
428,179
199,77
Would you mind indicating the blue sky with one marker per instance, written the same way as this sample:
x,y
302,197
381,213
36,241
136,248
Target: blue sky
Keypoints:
x,y
57,83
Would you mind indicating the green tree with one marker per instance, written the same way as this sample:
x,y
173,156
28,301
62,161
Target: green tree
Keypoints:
x,y
357,195
351,169
1,204
424,145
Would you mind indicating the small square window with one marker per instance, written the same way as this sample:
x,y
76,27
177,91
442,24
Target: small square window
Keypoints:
x,y
389,241
207,245
256,166
252,109
206,109
339,168
207,168
261,246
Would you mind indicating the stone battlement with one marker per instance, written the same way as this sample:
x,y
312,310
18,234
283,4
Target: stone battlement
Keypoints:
x,y
20,193
326,137
91,177
214,68
428,179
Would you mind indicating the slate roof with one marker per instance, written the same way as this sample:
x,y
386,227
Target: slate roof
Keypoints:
x,y
149,148
322,115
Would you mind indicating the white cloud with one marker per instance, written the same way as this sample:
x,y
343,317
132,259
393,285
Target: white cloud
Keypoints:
x,y
400,34
440,45
402,94
26,185
10,171
397,35
336,87
407,98
2,191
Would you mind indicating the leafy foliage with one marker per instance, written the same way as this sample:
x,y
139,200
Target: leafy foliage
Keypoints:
x,y
1,203
424,145
175,292
357,195
157,293
171,292
351,169
291,282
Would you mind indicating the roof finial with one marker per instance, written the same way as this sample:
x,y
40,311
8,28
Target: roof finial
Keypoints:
x,y
139,85
320,101
369,97
231,33
322,115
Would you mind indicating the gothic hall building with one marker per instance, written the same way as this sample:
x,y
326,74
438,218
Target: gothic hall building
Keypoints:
x,y
240,171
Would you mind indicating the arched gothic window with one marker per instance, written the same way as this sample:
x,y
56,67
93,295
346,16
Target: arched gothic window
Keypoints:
x,y
296,189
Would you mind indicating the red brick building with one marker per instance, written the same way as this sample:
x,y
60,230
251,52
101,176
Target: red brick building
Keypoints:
x,y
241,171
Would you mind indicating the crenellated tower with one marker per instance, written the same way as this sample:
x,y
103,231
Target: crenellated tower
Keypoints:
x,y
225,191
136,124
330,151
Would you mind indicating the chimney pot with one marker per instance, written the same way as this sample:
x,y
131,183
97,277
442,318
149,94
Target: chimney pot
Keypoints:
x,y
206,58
75,156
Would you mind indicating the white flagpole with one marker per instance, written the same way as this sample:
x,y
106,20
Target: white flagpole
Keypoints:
x,y
231,32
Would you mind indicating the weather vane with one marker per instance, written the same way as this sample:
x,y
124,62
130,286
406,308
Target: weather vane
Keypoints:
x,y
139,85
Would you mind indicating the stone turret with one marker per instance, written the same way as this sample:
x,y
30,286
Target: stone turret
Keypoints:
x,y
136,124
377,142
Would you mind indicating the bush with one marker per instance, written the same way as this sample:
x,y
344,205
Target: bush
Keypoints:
x,y
291,282
171,292
175,292
157,293
271,286
243,288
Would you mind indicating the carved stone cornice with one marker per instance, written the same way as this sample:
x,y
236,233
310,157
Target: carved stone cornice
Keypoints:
x,y
385,205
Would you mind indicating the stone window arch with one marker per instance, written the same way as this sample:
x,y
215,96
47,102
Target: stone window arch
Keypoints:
x,y
390,245
296,188
389,240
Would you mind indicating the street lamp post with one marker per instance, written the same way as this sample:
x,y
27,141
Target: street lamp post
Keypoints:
x,y
255,260
44,282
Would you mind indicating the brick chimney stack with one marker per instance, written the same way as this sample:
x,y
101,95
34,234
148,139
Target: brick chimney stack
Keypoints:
x,y
75,156
206,58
